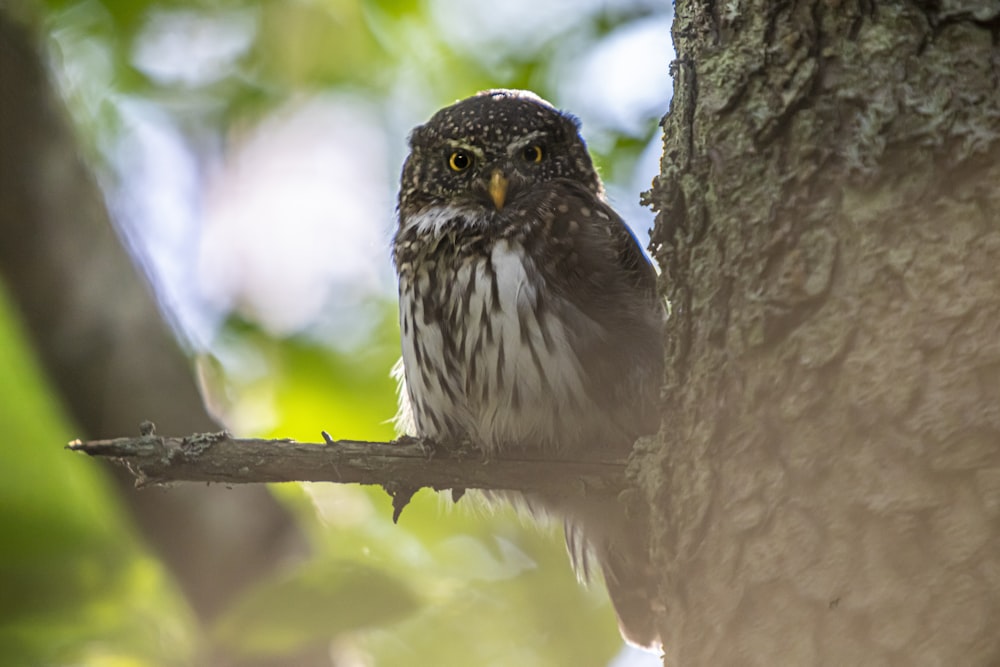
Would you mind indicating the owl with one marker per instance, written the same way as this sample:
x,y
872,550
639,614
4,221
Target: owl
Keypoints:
x,y
529,313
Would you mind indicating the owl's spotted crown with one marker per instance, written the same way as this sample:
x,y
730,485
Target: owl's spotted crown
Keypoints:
x,y
495,114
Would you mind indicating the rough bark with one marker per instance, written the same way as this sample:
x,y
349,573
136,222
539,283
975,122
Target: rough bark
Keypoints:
x,y
827,485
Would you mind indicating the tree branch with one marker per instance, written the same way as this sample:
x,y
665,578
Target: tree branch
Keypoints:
x,y
406,464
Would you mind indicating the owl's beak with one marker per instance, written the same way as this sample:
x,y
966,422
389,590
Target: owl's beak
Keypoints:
x,y
498,188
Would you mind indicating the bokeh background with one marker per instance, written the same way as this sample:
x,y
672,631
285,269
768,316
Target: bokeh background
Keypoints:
x,y
248,154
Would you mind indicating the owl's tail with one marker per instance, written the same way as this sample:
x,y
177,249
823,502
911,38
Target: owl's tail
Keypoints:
x,y
617,544
630,579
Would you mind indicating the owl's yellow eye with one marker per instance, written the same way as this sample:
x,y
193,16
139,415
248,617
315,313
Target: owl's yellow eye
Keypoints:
x,y
532,154
460,161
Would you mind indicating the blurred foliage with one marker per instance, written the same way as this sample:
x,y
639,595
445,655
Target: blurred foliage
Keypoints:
x,y
77,587
321,600
448,585
469,584
251,57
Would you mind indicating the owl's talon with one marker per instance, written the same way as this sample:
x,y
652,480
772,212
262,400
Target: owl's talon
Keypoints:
x,y
429,448
464,450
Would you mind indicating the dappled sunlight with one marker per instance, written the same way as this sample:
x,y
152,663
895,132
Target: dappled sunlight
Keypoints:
x,y
193,47
296,215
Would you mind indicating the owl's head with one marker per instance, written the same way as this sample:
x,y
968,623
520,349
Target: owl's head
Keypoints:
x,y
489,149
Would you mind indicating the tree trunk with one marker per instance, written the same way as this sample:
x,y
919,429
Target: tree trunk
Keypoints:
x,y
101,340
826,489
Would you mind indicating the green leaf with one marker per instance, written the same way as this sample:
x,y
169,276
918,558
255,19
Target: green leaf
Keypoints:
x,y
77,588
316,603
535,613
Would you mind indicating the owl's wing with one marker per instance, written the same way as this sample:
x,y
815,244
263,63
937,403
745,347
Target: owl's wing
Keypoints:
x,y
595,262
596,268
630,255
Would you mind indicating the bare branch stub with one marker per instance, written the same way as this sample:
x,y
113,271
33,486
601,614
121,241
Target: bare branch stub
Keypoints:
x,y
408,463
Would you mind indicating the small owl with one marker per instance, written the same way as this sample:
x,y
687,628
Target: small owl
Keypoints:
x,y
529,313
